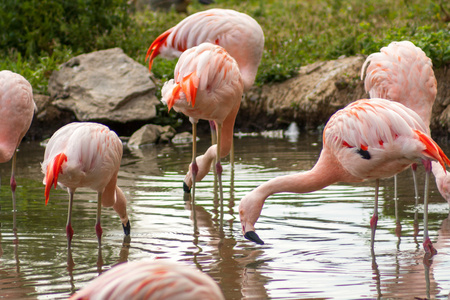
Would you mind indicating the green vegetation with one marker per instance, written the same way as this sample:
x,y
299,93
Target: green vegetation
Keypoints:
x,y
38,35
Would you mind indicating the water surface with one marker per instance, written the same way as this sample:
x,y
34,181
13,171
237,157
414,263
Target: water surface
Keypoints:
x,y
317,244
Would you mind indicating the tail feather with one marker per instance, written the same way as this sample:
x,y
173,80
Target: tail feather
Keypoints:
x,y
433,150
53,170
153,50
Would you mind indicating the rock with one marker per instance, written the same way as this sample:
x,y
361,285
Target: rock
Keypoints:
x,y
151,134
183,138
308,99
104,85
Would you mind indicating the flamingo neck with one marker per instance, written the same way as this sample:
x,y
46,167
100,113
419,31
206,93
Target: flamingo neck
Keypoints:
x,y
326,171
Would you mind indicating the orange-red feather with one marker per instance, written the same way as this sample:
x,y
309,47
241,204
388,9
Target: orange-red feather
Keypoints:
x,y
432,149
53,171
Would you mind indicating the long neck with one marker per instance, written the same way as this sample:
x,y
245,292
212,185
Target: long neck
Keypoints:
x,y
326,171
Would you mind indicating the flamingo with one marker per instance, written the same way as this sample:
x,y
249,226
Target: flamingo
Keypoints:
x,y
84,154
367,139
17,109
238,33
146,280
402,72
207,85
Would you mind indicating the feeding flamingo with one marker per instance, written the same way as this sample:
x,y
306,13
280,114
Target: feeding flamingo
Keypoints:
x,y
147,280
84,154
17,109
207,85
402,72
368,139
238,33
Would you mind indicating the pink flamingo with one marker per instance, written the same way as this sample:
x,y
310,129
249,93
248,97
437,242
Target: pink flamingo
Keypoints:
x,y
368,139
147,280
84,154
402,72
16,113
207,85
238,33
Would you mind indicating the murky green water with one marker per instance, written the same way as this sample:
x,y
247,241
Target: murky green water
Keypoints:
x,y
317,244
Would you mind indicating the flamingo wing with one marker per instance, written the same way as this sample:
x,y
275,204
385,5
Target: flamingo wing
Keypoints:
x,y
377,136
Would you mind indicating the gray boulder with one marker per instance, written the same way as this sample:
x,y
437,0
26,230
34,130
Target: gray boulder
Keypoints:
x,y
104,85
151,134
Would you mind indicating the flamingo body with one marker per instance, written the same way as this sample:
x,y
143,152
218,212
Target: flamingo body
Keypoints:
x,y
207,85
402,72
84,154
16,112
17,108
147,280
238,33
368,139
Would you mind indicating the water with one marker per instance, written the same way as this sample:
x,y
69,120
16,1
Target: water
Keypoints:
x,y
317,244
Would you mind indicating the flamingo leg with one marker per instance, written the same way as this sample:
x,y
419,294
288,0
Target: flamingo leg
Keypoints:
x,y
398,227
219,166
69,229
194,166
416,187
98,227
13,182
427,245
374,219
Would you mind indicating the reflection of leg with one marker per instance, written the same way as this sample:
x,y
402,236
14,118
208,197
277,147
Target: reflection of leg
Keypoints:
x,y
125,250
427,261
70,267
374,219
99,260
376,273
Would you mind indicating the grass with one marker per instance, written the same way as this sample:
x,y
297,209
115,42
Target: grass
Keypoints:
x,y
296,33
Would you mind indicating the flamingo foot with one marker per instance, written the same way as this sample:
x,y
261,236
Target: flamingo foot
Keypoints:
x,y
98,230
252,236
428,246
127,228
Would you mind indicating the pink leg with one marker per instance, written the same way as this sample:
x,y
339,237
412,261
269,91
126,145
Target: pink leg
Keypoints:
x,y
427,245
69,229
13,182
98,227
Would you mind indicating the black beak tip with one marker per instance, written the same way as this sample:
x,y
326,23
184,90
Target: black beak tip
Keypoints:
x,y
127,228
252,236
186,189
